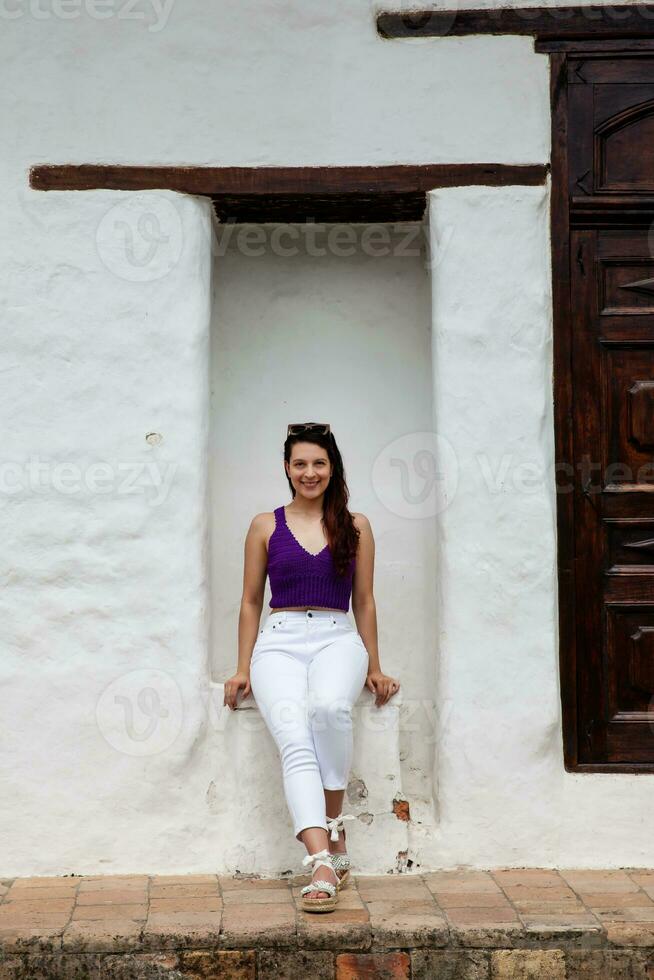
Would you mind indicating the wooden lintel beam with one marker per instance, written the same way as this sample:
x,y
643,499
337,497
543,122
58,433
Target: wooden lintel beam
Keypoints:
x,y
584,21
270,181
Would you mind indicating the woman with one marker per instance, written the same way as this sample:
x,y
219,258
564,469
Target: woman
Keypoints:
x,y
308,664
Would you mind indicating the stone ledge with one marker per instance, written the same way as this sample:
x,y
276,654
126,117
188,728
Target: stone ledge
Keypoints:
x,y
267,964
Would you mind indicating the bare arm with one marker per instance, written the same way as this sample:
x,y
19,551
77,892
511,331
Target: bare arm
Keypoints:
x,y
365,612
363,599
254,584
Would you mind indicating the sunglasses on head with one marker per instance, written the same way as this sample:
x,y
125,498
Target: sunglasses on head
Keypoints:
x,y
297,428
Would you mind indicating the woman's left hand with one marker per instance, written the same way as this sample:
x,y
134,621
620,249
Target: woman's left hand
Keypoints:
x,y
383,686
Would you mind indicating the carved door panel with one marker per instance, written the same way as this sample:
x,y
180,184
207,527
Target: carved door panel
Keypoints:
x,y
612,292
611,128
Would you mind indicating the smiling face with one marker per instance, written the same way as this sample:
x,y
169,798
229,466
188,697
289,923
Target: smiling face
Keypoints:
x,y
309,469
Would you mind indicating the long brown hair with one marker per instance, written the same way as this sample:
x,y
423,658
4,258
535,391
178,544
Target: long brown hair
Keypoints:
x,y
342,535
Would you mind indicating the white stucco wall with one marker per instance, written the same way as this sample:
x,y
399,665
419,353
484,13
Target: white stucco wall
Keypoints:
x,y
96,584
332,326
504,796
103,610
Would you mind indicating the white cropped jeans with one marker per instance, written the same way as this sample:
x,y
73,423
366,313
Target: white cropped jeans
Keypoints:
x,y
307,670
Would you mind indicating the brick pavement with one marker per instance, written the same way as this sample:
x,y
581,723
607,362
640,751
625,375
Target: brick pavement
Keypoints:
x,y
501,924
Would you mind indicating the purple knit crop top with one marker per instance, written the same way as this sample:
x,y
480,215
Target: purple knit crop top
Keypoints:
x,y
299,578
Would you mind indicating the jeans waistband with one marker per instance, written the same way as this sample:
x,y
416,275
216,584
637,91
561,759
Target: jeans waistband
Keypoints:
x,y
308,615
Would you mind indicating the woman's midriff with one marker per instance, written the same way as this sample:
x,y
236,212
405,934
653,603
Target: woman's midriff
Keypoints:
x,y
303,609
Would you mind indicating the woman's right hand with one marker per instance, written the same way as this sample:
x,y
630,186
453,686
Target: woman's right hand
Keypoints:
x,y
232,686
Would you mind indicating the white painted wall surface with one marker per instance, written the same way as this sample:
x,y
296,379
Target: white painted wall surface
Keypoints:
x,y
504,795
334,326
103,610
241,82
91,362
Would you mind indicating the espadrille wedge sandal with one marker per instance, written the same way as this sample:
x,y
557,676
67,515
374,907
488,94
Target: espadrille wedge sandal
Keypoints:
x,y
340,862
319,885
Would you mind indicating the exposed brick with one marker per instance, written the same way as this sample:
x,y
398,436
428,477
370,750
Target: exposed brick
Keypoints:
x,y
401,809
373,966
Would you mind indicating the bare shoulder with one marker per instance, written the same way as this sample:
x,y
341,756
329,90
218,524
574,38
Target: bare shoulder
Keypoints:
x,y
361,521
262,525
262,519
366,542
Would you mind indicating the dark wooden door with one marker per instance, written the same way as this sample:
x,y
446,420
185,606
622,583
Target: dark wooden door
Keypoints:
x,y
612,285
603,251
